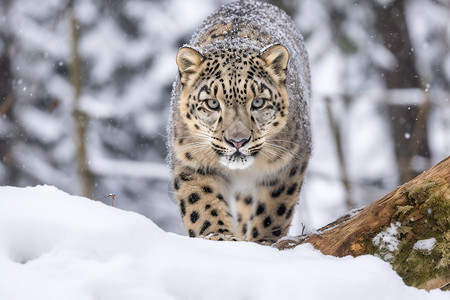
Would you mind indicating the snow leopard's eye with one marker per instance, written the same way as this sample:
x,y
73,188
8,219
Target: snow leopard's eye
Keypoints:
x,y
258,103
213,104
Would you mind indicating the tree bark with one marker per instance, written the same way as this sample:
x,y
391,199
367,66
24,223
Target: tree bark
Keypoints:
x,y
419,210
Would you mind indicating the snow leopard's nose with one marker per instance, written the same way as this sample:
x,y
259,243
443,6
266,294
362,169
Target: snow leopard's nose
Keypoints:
x,y
237,143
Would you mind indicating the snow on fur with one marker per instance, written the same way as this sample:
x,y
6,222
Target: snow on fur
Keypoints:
x,y
273,26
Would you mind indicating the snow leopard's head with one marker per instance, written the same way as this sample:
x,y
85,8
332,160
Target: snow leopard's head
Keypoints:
x,y
234,101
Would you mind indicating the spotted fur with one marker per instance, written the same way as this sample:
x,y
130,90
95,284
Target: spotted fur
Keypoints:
x,y
240,134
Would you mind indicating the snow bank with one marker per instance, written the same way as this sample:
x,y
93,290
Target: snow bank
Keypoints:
x,y
57,246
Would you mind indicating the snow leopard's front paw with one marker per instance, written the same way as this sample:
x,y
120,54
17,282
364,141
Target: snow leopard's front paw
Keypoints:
x,y
223,237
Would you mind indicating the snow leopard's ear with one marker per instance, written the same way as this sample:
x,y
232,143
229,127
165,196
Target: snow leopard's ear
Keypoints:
x,y
277,59
188,61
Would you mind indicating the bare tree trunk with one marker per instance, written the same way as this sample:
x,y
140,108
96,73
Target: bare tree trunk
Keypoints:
x,y
7,101
81,118
407,130
409,228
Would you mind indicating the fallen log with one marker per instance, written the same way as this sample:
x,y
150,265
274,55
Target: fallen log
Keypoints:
x,y
409,228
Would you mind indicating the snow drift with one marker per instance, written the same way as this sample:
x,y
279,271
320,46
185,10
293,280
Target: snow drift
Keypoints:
x,y
57,246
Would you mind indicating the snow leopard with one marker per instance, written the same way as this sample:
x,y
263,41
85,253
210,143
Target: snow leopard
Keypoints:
x,y
239,132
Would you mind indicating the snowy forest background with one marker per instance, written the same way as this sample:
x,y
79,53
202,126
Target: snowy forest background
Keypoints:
x,y
85,88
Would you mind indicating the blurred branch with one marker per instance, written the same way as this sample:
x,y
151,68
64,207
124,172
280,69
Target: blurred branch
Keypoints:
x,y
80,118
133,169
423,100
384,97
418,133
338,141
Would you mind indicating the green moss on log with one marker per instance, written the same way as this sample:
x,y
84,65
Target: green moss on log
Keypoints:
x,y
417,242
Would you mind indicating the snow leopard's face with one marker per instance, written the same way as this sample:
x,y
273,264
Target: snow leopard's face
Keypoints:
x,y
234,102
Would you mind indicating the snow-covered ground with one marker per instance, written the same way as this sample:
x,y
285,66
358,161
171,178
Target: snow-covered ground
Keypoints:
x,y
57,246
